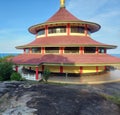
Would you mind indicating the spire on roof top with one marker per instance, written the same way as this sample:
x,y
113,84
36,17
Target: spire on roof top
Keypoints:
x,y
62,3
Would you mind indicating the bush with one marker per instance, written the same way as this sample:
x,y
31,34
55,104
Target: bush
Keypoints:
x,y
46,75
6,69
16,76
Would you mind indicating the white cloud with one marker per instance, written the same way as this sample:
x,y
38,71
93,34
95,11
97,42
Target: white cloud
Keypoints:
x,y
104,12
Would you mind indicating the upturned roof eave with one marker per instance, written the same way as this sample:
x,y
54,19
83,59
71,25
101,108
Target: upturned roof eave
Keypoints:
x,y
65,45
33,29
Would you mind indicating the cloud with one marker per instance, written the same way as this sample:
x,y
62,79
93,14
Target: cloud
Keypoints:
x,y
10,38
104,12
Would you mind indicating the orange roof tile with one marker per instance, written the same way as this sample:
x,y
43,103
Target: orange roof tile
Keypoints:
x,y
36,59
65,41
62,15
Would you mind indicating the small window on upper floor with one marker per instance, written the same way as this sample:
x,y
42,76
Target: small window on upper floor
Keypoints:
x,y
59,29
89,49
52,50
101,50
71,50
36,50
27,50
41,32
77,29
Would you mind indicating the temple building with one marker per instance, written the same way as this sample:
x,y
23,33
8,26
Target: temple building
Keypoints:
x,y
63,44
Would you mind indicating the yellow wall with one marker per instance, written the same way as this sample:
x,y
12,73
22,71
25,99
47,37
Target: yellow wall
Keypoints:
x,y
71,69
53,68
101,68
89,69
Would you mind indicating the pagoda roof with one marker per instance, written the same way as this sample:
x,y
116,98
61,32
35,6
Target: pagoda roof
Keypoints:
x,y
63,16
65,41
68,59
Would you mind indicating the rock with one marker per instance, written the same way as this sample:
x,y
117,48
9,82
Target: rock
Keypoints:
x,y
22,98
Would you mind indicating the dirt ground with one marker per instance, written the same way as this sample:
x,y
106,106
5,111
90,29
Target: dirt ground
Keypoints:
x,y
26,98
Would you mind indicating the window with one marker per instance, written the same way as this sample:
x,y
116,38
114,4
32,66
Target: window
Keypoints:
x,y
52,50
41,32
77,29
36,50
71,50
27,50
101,50
89,49
60,29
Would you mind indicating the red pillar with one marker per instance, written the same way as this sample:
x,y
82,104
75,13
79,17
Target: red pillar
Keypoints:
x,y
37,73
81,50
43,50
61,50
97,50
16,68
61,69
81,70
68,29
46,30
105,51
97,69
86,30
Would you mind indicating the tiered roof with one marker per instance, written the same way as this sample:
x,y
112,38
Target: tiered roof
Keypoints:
x,y
65,41
68,59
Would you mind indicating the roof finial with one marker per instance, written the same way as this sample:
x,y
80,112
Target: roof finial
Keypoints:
x,y
62,3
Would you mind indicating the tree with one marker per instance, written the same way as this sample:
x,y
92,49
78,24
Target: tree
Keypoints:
x,y
46,75
6,69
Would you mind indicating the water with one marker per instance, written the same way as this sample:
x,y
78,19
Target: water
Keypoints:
x,y
8,54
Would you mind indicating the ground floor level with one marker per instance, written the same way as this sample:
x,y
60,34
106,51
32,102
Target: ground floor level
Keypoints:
x,y
60,70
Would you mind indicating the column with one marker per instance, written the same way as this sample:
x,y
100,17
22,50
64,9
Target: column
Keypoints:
x,y
16,68
61,50
43,50
61,69
97,50
46,30
68,29
37,69
86,30
105,51
81,50
81,70
97,69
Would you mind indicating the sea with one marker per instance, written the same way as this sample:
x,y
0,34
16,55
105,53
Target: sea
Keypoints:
x,y
15,54
8,54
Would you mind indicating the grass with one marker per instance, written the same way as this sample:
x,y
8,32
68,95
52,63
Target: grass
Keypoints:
x,y
114,99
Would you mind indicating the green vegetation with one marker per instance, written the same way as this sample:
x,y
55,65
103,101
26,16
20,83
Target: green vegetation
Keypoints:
x,y
6,69
114,99
15,76
46,75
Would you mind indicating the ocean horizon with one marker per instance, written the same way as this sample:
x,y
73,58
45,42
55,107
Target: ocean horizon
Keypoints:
x,y
15,54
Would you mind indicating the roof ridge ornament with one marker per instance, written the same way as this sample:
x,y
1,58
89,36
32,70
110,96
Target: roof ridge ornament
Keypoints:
x,y
62,3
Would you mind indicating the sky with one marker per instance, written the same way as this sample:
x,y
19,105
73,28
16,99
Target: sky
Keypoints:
x,y
16,16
